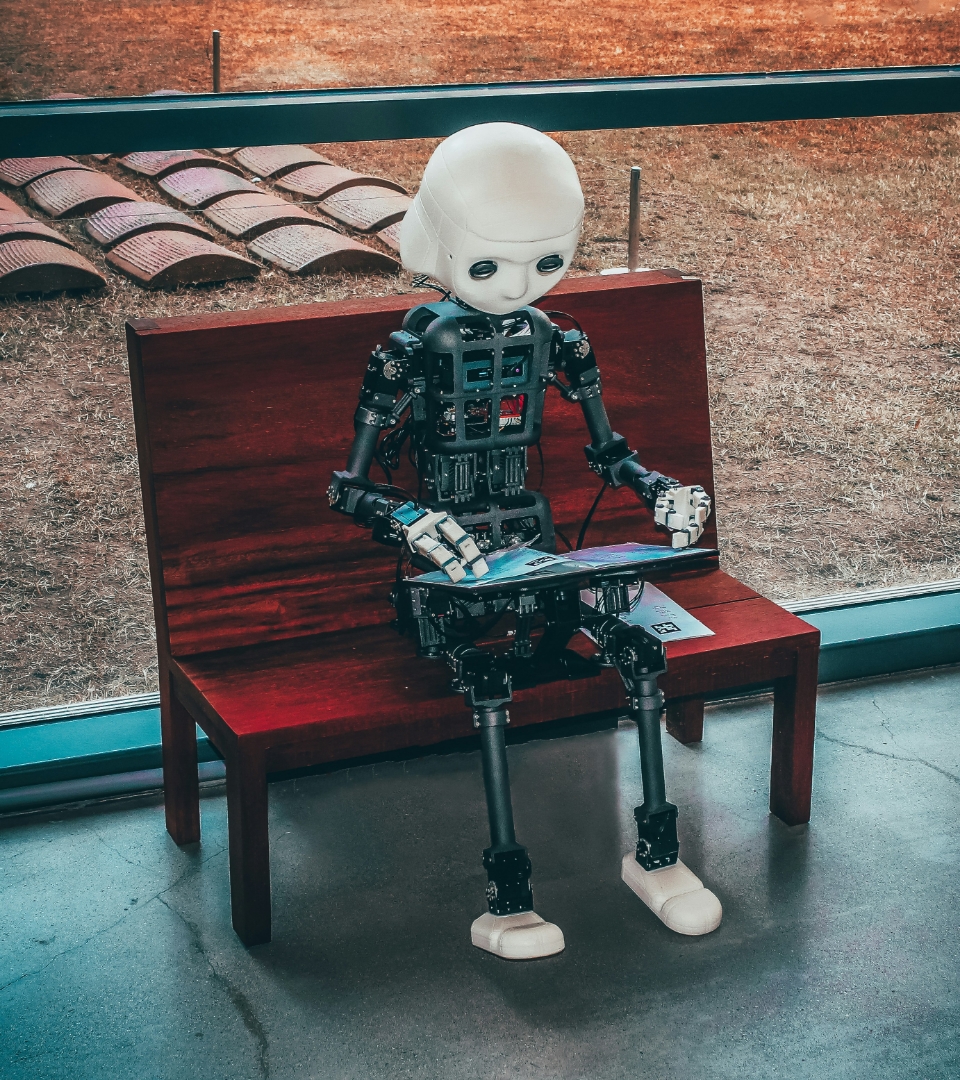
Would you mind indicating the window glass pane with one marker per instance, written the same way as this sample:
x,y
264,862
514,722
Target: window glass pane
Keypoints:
x,y
829,254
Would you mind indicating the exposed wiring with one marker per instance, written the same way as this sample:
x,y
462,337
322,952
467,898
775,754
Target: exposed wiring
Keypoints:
x,y
540,454
422,281
480,629
388,452
589,517
564,315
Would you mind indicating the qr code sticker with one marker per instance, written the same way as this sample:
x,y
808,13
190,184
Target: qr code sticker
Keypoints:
x,y
664,628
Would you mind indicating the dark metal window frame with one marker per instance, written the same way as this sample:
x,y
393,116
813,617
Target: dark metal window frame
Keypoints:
x,y
95,125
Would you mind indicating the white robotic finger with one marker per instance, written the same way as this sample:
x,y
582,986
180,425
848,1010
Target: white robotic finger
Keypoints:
x,y
684,511
685,537
665,512
440,556
465,544
700,504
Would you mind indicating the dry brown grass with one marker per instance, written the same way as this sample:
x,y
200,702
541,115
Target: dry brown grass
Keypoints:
x,y
135,46
829,254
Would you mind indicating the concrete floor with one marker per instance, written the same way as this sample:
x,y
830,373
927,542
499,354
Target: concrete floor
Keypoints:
x,y
838,955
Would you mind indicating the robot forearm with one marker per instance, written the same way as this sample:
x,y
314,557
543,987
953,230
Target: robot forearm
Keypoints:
x,y
683,510
608,454
370,505
647,483
364,447
350,491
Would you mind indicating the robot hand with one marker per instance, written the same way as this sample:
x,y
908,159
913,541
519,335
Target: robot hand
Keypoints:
x,y
441,539
684,511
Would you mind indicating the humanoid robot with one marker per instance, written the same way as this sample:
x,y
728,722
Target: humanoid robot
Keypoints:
x,y
496,223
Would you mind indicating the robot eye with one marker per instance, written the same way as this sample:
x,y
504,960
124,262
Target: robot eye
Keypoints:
x,y
483,269
549,263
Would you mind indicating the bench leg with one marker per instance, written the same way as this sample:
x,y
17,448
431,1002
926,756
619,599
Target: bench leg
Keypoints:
x,y
794,722
181,788
249,847
685,720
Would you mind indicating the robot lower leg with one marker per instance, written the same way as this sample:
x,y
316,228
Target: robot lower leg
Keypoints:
x,y
506,862
639,659
511,928
657,844
672,892
487,689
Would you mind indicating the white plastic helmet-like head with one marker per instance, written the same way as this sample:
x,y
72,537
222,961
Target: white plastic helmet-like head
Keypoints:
x,y
497,216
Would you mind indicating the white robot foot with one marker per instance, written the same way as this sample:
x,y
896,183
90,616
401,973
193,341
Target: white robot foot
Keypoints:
x,y
675,895
517,937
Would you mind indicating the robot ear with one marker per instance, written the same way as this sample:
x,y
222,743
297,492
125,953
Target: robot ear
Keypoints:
x,y
418,241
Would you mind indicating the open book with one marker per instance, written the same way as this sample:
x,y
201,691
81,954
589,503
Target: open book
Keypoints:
x,y
523,566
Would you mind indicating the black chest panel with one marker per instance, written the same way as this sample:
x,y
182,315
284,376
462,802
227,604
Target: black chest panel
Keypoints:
x,y
485,376
484,382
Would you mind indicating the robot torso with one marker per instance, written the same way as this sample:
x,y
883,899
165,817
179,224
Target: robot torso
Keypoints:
x,y
481,380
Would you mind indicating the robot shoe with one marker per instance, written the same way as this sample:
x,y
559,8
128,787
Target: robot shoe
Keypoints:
x,y
517,937
675,895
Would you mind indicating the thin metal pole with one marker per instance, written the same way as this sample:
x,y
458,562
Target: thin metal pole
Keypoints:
x,y
633,236
216,61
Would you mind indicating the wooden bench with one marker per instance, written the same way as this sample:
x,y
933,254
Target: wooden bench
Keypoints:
x,y
272,614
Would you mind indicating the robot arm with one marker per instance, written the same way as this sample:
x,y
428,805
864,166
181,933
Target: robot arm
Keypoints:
x,y
389,389
391,385
681,509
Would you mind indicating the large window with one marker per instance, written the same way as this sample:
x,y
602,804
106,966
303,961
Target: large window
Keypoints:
x,y
829,254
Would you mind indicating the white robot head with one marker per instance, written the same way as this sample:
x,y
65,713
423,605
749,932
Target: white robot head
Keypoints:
x,y
497,217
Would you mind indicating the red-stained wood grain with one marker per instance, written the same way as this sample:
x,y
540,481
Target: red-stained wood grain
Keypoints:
x,y
246,420
326,685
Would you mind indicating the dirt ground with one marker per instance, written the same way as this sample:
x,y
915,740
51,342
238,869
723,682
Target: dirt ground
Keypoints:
x,y
135,46
829,253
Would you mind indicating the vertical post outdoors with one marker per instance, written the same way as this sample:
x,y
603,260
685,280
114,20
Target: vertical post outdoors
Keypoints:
x,y
633,236
216,61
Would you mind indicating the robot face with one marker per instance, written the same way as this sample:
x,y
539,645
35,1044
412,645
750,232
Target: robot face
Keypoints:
x,y
499,277
497,216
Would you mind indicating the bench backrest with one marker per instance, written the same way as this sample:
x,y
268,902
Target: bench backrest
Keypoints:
x,y
241,417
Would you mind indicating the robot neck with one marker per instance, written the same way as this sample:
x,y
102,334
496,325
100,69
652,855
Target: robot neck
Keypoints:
x,y
479,311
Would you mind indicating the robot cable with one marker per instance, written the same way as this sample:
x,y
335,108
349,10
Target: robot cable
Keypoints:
x,y
564,315
589,517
